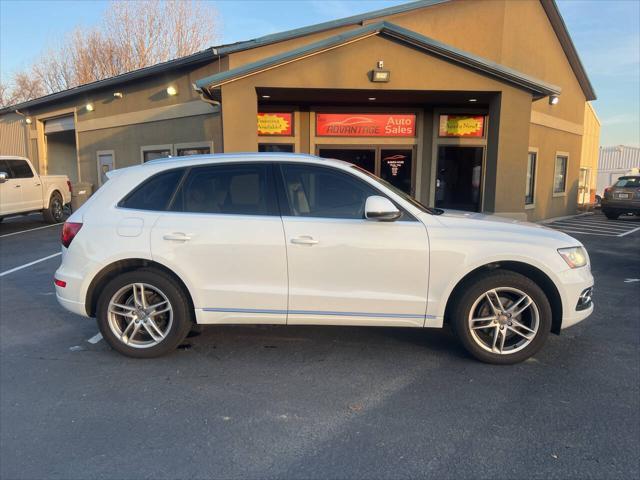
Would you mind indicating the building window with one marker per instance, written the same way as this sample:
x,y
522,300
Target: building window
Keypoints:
x,y
275,147
529,194
152,152
560,174
182,152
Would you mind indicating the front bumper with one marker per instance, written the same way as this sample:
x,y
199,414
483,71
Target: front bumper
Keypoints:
x,y
574,283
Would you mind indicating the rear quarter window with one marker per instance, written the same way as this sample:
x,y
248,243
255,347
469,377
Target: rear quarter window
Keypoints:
x,y
154,193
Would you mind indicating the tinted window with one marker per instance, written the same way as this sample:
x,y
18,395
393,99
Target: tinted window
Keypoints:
x,y
155,193
275,147
20,168
148,155
228,189
323,192
4,167
560,175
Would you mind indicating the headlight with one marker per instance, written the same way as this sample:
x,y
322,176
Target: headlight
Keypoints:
x,y
575,257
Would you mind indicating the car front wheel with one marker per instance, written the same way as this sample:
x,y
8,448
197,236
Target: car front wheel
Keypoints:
x,y
144,314
501,318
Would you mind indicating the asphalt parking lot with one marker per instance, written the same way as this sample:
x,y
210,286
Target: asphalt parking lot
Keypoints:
x,y
313,402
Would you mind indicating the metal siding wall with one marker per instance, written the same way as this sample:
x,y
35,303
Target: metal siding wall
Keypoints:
x,y
619,158
12,135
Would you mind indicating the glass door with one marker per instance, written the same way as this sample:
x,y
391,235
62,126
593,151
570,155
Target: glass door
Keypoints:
x,y
459,178
363,157
396,167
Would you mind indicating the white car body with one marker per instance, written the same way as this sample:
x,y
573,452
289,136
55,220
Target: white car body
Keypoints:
x,y
299,271
30,193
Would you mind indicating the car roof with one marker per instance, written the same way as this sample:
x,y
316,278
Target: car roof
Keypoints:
x,y
12,157
191,160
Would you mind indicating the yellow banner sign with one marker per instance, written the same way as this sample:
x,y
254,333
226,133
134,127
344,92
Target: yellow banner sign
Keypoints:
x,y
275,124
461,126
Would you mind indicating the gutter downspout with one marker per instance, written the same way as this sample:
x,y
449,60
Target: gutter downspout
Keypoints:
x,y
213,103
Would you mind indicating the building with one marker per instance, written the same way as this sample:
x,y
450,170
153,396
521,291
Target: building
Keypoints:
x,y
478,106
614,162
587,179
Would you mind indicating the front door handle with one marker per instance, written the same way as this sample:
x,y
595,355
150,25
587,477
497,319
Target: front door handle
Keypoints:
x,y
304,240
177,237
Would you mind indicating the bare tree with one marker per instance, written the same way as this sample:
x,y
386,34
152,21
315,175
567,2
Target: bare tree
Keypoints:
x,y
132,34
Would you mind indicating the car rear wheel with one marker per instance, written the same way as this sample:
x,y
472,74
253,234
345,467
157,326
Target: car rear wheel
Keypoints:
x,y
144,314
55,211
501,318
611,214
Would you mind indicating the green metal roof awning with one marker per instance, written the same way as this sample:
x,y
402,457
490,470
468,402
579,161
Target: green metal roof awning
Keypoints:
x,y
537,87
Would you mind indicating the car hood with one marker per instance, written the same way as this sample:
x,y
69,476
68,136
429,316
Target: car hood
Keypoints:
x,y
483,225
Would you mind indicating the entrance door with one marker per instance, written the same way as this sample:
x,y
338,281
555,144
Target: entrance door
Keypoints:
x,y
583,186
459,178
363,157
396,168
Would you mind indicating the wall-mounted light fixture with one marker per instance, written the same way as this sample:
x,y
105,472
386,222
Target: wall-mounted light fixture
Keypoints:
x,y
28,120
171,91
117,95
379,75
554,99
89,107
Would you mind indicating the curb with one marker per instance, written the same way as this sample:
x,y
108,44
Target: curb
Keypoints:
x,y
557,219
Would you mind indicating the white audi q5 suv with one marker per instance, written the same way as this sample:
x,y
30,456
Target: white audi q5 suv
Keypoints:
x,y
298,240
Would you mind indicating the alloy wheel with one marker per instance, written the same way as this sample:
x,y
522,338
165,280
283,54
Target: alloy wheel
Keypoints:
x,y
504,320
140,315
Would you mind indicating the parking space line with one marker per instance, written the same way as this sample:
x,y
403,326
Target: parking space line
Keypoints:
x,y
567,230
95,339
595,227
27,265
30,230
630,231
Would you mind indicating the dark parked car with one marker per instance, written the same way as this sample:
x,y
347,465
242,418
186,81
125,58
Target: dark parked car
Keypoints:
x,y
622,197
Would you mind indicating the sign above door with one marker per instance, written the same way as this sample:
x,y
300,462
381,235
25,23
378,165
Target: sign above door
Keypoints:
x,y
461,126
365,125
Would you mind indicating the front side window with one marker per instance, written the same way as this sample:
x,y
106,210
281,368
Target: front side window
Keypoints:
x,y
323,192
242,189
560,174
20,168
155,193
529,194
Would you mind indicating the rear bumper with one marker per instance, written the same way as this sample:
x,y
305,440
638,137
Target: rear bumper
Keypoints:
x,y
74,307
632,206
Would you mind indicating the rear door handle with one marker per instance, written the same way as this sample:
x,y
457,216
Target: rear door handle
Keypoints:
x,y
177,237
304,240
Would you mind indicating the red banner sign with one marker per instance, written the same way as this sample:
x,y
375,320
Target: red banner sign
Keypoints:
x,y
365,125
275,124
461,126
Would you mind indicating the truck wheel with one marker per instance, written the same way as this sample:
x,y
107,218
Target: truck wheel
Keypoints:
x,y
55,212
502,317
611,214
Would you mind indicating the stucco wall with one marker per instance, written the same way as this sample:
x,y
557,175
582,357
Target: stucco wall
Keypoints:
x,y
12,135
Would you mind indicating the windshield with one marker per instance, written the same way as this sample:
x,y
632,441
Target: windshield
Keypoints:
x,y
628,182
405,196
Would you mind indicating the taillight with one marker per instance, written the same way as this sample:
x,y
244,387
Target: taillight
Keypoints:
x,y
69,232
59,283
70,187
607,192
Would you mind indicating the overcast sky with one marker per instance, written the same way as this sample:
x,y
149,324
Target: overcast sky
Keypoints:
x,y
606,34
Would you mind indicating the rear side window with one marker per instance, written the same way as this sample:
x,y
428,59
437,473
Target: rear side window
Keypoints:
x,y
240,189
20,168
155,193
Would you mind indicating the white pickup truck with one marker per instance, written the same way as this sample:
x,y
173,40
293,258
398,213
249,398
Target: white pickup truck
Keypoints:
x,y
22,190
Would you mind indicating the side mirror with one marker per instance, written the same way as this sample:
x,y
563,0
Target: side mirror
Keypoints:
x,y
4,176
380,209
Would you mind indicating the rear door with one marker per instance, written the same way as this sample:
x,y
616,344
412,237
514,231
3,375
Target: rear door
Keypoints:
x,y
223,235
344,269
10,191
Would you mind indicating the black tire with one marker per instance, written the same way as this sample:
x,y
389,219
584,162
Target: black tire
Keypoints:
x,y
181,323
54,213
610,214
472,291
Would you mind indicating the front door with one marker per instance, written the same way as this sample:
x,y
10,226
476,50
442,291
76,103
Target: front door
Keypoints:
x,y
10,191
459,178
225,232
343,269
